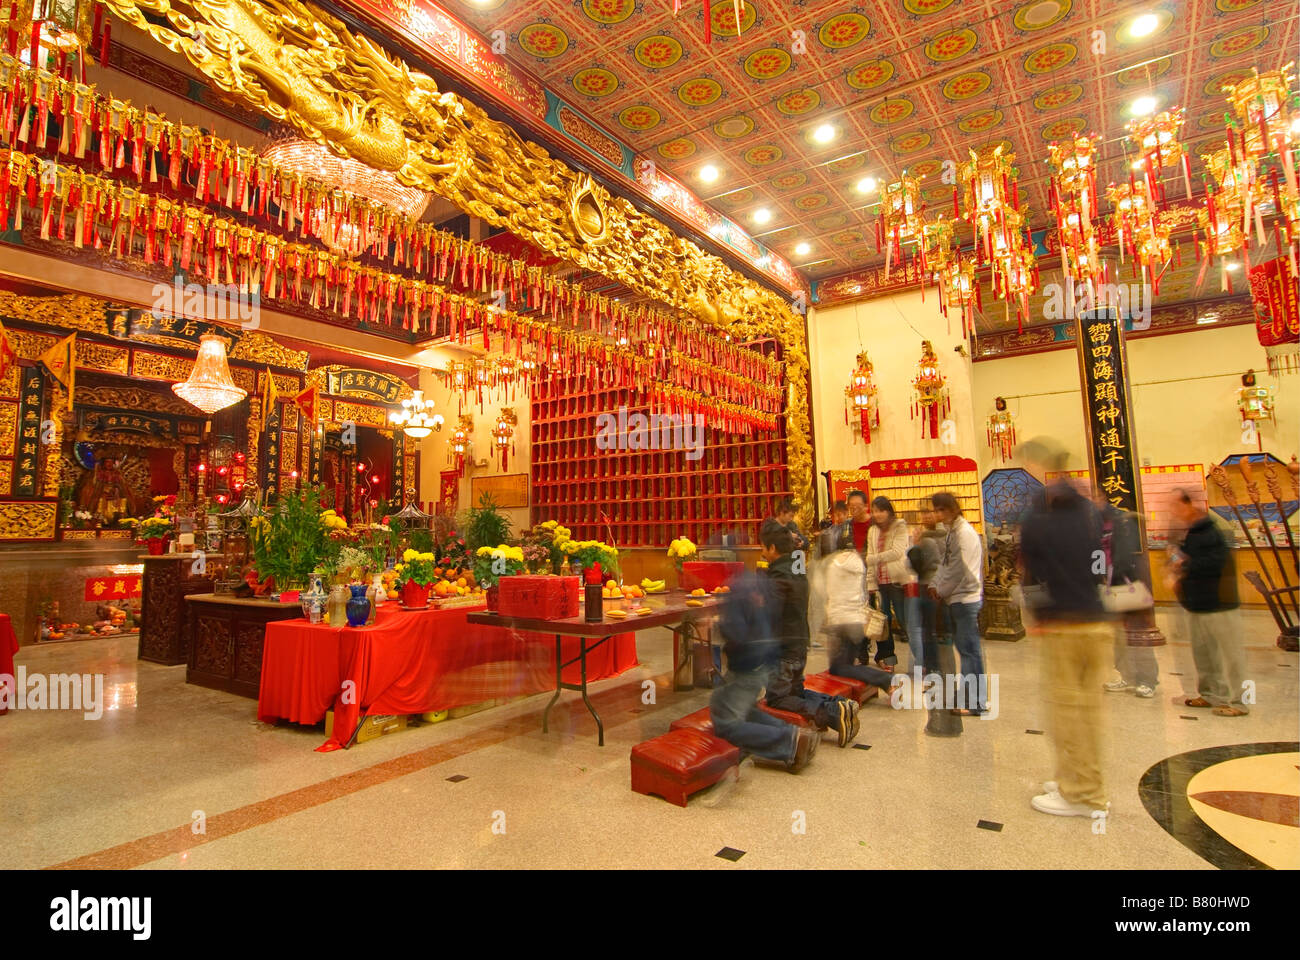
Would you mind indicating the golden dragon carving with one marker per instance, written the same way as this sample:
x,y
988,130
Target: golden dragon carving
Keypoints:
x,y
302,66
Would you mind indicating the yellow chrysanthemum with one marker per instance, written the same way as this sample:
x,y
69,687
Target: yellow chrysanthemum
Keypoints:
x,y
409,555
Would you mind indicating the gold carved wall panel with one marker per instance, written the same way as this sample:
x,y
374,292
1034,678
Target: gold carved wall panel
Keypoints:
x,y
360,413
6,478
159,366
27,520
8,428
97,356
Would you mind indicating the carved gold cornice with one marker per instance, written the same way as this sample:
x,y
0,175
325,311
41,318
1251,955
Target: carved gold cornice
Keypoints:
x,y
136,398
259,348
69,311
302,66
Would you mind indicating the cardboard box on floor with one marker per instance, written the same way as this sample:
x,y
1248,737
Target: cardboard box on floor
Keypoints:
x,y
370,728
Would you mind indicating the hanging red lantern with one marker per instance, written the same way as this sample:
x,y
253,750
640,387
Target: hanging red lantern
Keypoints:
x,y
930,400
861,401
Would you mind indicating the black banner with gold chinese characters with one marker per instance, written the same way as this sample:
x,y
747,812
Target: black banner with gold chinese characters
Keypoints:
x,y
314,458
127,324
1107,408
270,467
397,491
365,383
27,460
120,421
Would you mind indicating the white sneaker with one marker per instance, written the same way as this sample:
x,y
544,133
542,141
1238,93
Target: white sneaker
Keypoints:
x,y
1116,686
1051,786
1144,691
1057,805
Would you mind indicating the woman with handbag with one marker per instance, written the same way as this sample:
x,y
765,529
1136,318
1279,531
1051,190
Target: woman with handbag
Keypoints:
x,y
848,617
1124,592
893,582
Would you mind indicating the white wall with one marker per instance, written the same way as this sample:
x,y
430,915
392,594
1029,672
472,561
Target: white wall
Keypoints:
x,y
891,330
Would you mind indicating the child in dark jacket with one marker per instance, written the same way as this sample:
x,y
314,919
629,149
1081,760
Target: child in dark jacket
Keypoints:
x,y
752,653
785,691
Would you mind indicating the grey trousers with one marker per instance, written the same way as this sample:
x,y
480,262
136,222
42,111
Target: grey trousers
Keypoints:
x,y
1219,656
1137,665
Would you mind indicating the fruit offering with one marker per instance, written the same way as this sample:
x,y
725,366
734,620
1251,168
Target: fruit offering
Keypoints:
x,y
653,586
722,589
699,592
695,603
617,614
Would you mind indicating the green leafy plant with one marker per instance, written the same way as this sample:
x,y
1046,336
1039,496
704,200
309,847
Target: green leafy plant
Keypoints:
x,y
492,563
485,525
289,542
154,527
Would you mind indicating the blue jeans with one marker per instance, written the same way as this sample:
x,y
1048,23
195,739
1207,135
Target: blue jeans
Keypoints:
x,y
737,719
963,620
844,640
929,635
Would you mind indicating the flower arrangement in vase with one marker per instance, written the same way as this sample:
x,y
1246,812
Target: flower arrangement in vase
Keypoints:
x,y
594,557
290,540
553,536
414,577
493,563
154,532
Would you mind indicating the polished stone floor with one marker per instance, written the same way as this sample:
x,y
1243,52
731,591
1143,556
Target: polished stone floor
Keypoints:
x,y
181,777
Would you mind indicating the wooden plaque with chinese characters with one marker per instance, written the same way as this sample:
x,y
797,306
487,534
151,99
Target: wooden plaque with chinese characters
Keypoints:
x,y
510,490
1107,409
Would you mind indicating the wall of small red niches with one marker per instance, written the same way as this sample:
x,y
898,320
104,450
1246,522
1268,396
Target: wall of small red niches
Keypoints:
x,y
650,497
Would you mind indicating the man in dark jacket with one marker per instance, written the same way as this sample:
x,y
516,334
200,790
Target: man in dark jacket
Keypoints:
x,y
1060,543
1207,589
787,574
752,652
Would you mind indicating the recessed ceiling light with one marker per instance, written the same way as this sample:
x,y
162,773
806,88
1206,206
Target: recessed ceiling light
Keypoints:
x,y
1142,106
708,173
762,215
1144,25
802,250
1295,125
1233,266
866,184
824,134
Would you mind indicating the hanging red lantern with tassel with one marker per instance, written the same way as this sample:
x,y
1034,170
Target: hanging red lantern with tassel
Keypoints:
x,y
503,435
930,400
860,400
1001,430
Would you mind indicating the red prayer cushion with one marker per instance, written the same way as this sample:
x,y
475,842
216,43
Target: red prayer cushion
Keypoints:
x,y
686,754
699,720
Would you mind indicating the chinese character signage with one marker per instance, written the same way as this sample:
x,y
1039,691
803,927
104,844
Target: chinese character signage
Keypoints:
x,y
1106,407
271,455
313,462
99,589
120,421
27,458
398,489
365,383
129,324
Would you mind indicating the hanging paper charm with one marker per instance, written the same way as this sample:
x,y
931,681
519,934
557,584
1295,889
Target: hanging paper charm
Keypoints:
x,y
1001,430
930,400
503,435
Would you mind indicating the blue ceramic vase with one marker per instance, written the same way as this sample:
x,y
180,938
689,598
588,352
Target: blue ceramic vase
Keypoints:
x,y
358,605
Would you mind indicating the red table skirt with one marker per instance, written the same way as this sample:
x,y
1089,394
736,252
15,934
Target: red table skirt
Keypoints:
x,y
412,662
8,647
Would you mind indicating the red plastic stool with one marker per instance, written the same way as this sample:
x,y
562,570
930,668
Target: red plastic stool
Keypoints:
x,y
681,762
699,720
824,683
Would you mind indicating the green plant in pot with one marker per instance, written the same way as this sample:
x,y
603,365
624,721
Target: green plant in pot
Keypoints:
x,y
485,525
289,541
414,577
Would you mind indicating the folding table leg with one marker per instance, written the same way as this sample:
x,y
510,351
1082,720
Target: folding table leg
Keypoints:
x,y
600,726
559,671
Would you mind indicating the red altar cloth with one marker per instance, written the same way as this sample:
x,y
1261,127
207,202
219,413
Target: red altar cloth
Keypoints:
x,y
412,662
8,647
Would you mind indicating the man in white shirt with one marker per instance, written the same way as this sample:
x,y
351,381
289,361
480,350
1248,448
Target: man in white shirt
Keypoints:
x,y
959,583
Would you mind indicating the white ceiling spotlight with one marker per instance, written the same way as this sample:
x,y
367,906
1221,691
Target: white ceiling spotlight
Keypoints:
x,y
1144,26
762,215
708,173
802,250
824,134
866,185
1143,106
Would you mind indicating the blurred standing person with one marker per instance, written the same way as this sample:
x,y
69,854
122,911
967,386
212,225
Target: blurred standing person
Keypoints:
x,y
752,653
846,598
828,540
1059,542
1207,588
925,556
1121,542
893,581
959,583
785,517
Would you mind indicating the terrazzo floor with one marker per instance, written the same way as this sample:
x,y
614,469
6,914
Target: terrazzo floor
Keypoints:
x,y
181,777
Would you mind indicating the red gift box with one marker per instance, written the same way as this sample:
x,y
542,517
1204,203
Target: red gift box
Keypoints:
x,y
541,598
709,575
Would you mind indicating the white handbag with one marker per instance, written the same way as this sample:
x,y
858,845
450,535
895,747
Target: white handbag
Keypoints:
x,y
1126,597
873,627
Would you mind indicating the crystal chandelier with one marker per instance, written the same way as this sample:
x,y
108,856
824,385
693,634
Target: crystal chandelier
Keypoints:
x,y
209,386
503,435
860,399
417,419
343,235
1073,192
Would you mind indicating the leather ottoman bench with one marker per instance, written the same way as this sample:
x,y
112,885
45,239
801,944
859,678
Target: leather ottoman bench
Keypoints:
x,y
699,720
788,716
859,690
681,762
